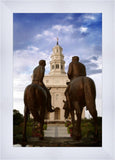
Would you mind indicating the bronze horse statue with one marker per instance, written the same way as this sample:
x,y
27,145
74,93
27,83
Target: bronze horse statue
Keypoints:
x,y
82,93
35,100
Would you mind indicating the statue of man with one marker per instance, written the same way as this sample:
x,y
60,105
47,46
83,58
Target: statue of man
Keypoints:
x,y
75,70
38,75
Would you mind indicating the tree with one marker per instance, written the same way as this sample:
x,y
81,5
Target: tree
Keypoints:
x,y
17,117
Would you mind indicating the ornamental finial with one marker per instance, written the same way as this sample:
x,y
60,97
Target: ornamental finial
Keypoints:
x,y
57,40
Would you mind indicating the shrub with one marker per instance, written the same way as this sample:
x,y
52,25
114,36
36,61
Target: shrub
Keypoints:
x,y
36,131
17,117
45,126
67,123
17,130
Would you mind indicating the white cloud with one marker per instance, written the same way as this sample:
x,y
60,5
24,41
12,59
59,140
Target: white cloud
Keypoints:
x,y
38,36
62,31
48,33
69,17
57,27
33,48
91,17
83,29
26,59
67,59
97,61
45,34
63,28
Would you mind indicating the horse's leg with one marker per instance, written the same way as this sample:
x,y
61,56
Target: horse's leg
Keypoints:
x,y
78,125
77,128
26,113
41,129
42,114
36,115
93,112
72,118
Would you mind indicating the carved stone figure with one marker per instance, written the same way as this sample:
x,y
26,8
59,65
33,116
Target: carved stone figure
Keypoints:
x,y
81,93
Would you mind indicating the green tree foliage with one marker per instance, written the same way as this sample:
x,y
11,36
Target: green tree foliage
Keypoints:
x,y
17,117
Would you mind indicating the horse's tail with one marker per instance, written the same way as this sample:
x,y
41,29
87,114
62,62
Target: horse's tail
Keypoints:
x,y
90,95
29,95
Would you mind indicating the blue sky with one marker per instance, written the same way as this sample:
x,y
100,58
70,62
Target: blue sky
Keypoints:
x,y
35,35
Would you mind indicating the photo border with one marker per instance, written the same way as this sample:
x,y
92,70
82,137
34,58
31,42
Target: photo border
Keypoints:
x,y
9,7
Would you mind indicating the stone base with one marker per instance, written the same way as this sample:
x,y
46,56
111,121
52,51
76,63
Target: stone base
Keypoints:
x,y
60,142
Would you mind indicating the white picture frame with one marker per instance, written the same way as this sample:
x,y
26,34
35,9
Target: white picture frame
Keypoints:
x,y
7,8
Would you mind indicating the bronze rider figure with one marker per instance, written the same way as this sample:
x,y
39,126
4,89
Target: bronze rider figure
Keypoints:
x,y
75,70
38,75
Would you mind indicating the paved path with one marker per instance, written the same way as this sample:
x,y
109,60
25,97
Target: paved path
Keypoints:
x,y
56,131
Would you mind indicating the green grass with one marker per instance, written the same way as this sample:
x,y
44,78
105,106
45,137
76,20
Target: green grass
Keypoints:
x,y
87,128
18,129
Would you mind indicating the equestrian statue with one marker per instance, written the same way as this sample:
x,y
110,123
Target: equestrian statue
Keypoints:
x,y
37,99
79,93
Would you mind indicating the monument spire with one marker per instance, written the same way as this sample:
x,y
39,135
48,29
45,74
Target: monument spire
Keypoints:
x,y
57,63
57,40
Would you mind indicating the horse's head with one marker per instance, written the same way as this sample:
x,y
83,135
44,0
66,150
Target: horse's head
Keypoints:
x,y
65,107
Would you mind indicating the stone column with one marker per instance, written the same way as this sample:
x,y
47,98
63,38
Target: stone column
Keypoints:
x,y
83,113
52,114
62,110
